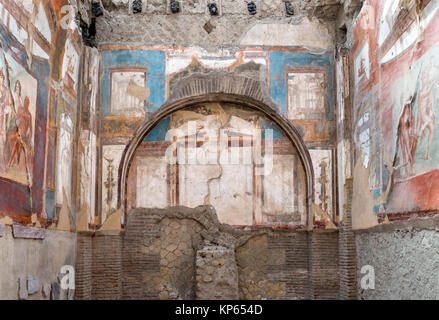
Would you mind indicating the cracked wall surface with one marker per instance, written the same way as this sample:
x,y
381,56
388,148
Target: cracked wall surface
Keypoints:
x,y
216,154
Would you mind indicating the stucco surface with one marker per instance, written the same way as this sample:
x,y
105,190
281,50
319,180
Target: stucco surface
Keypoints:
x,y
405,262
36,259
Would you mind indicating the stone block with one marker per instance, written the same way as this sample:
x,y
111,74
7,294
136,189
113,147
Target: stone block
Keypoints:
x,y
216,274
20,231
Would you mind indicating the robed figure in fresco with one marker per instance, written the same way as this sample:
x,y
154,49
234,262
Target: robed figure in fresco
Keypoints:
x,y
20,127
406,141
411,130
5,111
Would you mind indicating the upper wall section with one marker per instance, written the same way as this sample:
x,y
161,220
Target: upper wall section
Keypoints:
x,y
145,55
137,80
233,26
396,84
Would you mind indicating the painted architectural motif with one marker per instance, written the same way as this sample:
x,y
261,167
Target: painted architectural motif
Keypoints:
x,y
306,99
220,155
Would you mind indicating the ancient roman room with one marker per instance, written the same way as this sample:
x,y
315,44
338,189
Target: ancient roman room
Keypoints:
x,y
219,149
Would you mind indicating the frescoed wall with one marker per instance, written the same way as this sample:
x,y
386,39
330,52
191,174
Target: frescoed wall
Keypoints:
x,y
137,80
395,106
19,96
24,85
219,154
69,110
39,90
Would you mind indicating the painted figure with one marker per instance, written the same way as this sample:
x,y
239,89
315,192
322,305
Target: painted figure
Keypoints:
x,y
20,130
5,110
64,175
25,124
13,133
426,117
406,140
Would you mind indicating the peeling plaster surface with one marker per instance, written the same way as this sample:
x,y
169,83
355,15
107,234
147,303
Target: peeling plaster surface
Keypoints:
x,y
310,34
218,154
282,61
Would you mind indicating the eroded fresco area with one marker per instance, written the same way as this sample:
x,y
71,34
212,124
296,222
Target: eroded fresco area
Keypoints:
x,y
39,90
395,106
223,155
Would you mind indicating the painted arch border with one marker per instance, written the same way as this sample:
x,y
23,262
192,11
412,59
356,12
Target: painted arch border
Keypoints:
x,y
180,102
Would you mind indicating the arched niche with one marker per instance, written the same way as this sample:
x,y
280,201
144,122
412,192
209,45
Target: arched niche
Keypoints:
x,y
225,88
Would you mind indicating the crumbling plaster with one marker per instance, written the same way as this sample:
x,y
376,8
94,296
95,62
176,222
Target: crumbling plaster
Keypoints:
x,y
214,87
312,23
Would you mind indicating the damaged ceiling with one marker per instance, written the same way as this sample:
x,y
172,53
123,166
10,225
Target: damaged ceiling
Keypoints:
x,y
206,22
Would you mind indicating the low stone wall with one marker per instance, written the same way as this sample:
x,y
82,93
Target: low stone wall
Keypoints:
x,y
164,254
83,267
216,274
274,266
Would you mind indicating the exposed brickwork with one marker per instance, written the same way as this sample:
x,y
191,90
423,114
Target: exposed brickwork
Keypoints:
x,y
252,261
222,82
155,258
274,266
159,256
83,267
347,253
143,231
324,265
294,270
107,266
